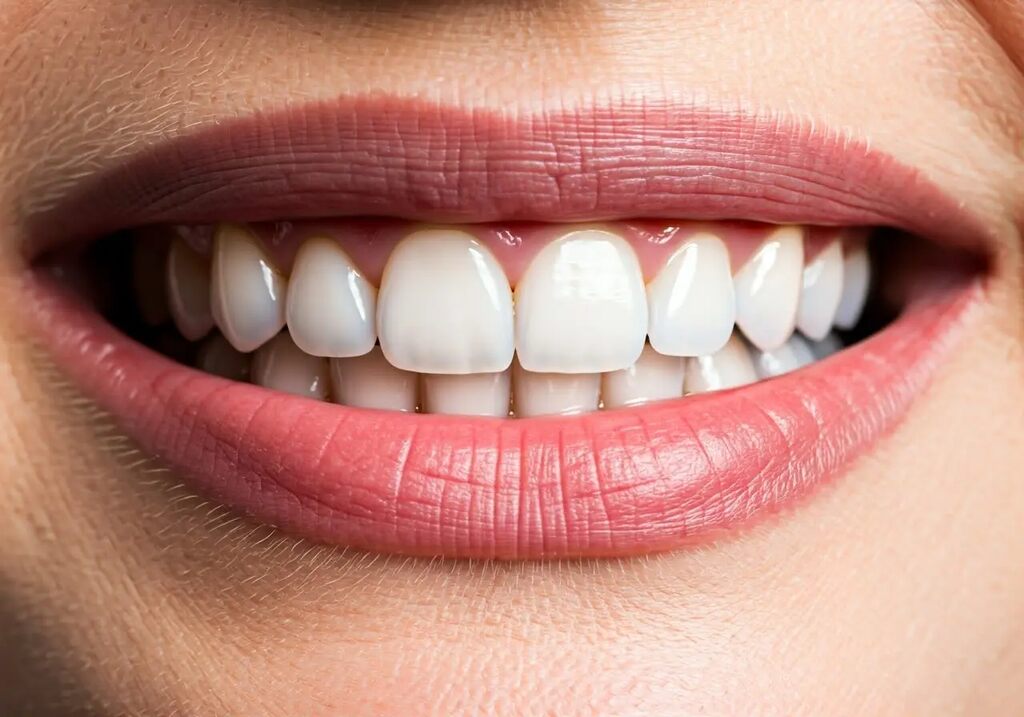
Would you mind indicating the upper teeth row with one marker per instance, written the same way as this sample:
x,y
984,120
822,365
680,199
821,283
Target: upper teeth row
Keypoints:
x,y
445,305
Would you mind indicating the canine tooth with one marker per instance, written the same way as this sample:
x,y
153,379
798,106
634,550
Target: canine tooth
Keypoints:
x,y
332,308
856,282
220,358
281,365
820,293
768,289
691,302
445,306
829,345
545,394
247,292
581,306
150,288
730,367
793,354
654,377
188,290
369,381
475,394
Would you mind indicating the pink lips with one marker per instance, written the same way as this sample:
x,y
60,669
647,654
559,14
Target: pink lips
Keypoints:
x,y
614,483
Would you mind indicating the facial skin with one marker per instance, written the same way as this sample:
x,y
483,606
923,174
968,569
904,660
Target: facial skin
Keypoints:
x,y
898,589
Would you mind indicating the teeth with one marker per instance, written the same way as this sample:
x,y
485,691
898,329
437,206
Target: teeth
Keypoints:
x,y
332,308
654,377
369,381
148,284
829,345
731,367
581,306
445,306
475,394
248,293
691,302
188,291
768,289
821,291
220,358
856,282
281,365
544,394
793,354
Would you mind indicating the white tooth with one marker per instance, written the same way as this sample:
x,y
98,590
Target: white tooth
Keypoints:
x,y
247,293
730,367
332,308
220,358
856,282
281,365
821,291
544,394
188,290
768,289
369,381
691,302
445,306
792,355
581,306
148,271
829,345
653,377
475,394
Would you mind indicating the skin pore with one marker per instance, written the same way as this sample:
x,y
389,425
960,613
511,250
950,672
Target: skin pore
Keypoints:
x,y
898,589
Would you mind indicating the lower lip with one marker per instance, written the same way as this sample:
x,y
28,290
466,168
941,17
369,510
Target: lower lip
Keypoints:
x,y
610,483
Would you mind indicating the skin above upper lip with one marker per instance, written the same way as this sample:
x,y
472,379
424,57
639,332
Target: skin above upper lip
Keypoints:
x,y
612,483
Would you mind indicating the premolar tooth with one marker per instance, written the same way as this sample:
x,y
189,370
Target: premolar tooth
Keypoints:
x,y
369,381
247,292
332,308
445,306
654,377
545,394
856,282
768,289
829,345
581,306
281,365
730,367
188,290
475,394
793,354
220,358
820,293
691,302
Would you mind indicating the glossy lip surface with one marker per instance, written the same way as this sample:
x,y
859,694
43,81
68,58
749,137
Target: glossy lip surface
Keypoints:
x,y
611,483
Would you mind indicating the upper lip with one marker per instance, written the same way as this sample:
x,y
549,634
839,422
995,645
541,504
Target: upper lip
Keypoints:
x,y
613,483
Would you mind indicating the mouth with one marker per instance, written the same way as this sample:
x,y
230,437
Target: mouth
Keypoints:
x,y
414,329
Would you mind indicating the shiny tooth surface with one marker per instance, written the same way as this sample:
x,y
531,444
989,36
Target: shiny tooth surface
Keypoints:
x,y
768,289
188,290
654,377
546,394
820,292
283,366
792,355
691,302
369,381
730,367
220,358
475,394
445,306
581,306
247,292
332,308
856,283
829,345
148,283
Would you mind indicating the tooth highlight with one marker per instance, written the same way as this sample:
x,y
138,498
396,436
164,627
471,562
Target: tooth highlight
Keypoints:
x,y
445,306
820,292
856,282
369,381
581,306
188,290
768,289
545,394
283,366
220,358
792,355
730,367
475,394
332,308
654,377
247,292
